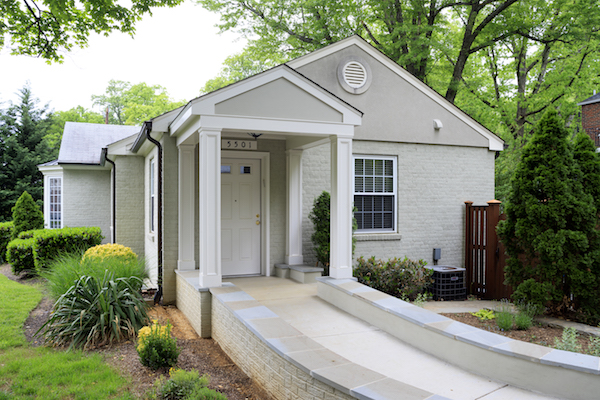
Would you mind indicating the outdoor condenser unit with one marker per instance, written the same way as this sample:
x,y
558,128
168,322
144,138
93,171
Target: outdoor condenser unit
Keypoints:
x,y
448,283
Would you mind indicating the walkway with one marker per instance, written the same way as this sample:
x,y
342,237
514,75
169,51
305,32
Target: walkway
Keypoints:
x,y
366,345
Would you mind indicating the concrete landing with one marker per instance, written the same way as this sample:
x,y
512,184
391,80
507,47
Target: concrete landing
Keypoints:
x,y
365,345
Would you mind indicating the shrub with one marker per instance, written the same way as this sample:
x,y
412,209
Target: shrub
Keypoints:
x,y
26,215
320,217
568,342
110,251
156,348
94,312
400,278
504,320
67,268
51,243
187,385
6,231
523,321
19,255
594,349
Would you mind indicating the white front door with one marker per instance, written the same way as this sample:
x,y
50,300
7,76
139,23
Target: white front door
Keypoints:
x,y
240,217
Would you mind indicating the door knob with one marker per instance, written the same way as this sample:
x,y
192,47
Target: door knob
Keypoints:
x,y
257,222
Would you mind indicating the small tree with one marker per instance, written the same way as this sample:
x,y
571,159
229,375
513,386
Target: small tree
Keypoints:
x,y
320,217
550,233
26,215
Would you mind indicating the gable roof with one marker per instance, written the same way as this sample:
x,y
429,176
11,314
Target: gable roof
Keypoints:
x,y
82,143
494,142
590,100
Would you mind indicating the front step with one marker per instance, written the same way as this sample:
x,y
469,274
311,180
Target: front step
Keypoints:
x,y
298,273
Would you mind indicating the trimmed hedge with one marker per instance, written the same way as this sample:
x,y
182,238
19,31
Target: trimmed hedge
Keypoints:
x,y
50,243
36,249
6,230
19,255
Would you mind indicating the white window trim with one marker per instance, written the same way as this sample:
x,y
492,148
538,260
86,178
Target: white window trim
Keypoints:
x,y
60,204
394,160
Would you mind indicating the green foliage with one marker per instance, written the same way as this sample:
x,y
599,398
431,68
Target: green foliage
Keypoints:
x,y
185,385
19,255
6,230
51,243
26,215
568,342
110,251
399,278
537,294
594,348
484,314
550,233
95,312
23,128
320,216
523,321
504,320
16,302
53,27
156,348
584,153
69,267
129,104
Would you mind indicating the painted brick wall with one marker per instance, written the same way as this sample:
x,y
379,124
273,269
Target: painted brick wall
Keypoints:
x,y
86,199
170,217
195,305
130,202
433,184
277,376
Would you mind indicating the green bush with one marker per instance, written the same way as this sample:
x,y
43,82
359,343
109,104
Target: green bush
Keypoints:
x,y
69,267
156,348
6,231
19,255
112,251
51,243
568,342
523,321
185,385
504,320
400,278
94,312
320,217
26,215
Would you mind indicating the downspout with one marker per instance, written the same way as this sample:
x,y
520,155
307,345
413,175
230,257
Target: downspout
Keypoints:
x,y
158,296
114,194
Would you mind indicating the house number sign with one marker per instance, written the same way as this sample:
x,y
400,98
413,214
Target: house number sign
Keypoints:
x,y
230,144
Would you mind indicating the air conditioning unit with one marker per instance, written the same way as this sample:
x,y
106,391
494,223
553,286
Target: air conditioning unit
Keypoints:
x,y
448,283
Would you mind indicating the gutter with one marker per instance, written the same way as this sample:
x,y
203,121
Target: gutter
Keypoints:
x,y
147,128
114,193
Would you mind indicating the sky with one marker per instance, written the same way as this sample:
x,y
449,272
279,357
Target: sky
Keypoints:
x,y
178,48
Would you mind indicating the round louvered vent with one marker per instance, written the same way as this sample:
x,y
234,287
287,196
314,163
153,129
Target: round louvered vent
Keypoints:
x,y
355,74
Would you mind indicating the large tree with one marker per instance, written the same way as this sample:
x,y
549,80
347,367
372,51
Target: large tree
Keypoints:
x,y
45,28
127,104
550,233
23,128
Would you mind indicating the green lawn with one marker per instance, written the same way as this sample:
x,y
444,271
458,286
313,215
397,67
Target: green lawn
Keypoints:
x,y
42,373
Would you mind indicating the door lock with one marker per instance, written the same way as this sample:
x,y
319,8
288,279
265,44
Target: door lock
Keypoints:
x,y
257,222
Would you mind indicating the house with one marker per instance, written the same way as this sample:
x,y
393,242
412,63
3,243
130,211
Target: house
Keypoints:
x,y
590,117
223,185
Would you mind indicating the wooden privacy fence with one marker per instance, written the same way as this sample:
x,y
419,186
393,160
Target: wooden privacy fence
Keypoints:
x,y
484,254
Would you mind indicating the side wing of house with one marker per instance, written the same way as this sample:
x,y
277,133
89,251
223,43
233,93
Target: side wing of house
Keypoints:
x,y
417,158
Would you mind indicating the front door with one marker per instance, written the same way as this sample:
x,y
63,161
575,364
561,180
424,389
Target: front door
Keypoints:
x,y
240,217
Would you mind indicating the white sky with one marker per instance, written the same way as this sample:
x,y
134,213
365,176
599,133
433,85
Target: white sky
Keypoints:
x,y
178,48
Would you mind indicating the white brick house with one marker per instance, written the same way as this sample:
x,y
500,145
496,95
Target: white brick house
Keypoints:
x,y
241,167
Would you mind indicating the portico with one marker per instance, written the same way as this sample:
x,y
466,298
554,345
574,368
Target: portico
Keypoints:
x,y
225,175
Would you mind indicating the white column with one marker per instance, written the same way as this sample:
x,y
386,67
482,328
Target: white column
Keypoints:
x,y
210,207
341,208
293,245
185,261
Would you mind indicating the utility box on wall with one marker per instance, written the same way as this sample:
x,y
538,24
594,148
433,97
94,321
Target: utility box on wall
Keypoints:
x,y
448,283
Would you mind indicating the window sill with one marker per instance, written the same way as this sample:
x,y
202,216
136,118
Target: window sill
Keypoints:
x,y
376,237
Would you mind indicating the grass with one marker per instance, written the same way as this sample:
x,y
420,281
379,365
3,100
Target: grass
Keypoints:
x,y
43,373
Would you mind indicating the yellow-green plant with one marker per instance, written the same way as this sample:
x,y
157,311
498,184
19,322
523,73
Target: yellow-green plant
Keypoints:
x,y
110,251
484,314
156,348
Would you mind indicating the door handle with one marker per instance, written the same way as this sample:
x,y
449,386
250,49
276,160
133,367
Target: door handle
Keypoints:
x,y
257,222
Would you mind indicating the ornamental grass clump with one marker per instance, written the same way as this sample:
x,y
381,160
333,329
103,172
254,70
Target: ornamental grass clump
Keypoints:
x,y
96,311
156,348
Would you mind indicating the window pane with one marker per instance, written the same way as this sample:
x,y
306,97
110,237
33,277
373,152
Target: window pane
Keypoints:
x,y
359,166
368,167
225,169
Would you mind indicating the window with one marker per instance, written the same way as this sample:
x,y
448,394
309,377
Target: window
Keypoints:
x,y
375,193
152,195
55,203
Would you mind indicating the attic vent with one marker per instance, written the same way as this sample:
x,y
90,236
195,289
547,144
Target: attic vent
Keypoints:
x,y
355,74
